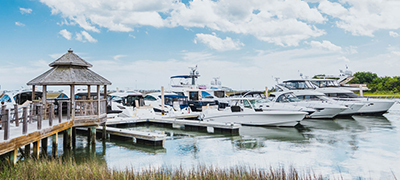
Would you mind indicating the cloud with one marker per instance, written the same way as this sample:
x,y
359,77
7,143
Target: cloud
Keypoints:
x,y
56,56
25,10
283,23
393,34
327,45
214,42
363,18
84,36
19,24
67,35
116,57
344,59
132,36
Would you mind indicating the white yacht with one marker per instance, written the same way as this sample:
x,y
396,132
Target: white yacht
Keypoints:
x,y
324,109
130,104
333,90
243,111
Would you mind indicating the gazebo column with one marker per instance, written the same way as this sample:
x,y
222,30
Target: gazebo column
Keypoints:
x,y
44,97
33,92
72,95
98,100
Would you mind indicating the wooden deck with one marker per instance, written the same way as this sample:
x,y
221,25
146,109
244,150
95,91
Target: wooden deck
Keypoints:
x,y
37,122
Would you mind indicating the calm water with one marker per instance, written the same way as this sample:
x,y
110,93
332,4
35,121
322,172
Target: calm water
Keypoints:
x,y
358,147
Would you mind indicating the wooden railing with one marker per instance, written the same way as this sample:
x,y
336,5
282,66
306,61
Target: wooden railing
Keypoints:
x,y
29,114
90,107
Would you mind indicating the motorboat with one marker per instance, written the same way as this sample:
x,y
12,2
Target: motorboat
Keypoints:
x,y
331,89
324,109
198,97
267,105
243,111
130,104
175,105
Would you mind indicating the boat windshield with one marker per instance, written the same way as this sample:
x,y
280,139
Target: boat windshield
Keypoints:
x,y
343,95
263,100
287,98
325,83
249,103
292,85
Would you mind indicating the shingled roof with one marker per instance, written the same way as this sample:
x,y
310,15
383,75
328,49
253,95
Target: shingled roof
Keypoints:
x,y
69,69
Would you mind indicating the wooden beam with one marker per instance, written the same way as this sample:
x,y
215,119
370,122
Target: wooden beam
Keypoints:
x,y
16,114
10,145
6,124
25,120
73,137
44,147
54,149
13,157
28,150
72,101
36,149
98,100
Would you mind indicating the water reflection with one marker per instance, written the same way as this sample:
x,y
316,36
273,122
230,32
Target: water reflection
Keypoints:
x,y
362,146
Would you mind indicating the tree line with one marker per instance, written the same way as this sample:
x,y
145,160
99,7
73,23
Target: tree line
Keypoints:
x,y
377,84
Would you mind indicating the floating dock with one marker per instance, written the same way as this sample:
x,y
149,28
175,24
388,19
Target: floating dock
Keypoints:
x,y
224,128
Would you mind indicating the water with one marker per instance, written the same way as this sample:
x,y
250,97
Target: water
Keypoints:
x,y
358,147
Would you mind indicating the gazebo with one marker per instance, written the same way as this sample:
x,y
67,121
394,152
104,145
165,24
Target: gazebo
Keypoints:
x,y
71,70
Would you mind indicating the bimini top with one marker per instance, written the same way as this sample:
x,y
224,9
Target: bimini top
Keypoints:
x,y
69,69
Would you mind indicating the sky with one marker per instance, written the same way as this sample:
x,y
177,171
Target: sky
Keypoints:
x,y
247,44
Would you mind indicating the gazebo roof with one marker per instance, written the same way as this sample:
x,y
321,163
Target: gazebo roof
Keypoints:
x,y
69,69
70,59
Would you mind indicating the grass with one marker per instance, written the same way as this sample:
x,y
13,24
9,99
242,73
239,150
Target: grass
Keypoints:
x,y
69,169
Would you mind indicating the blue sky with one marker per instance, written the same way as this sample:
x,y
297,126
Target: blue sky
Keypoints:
x,y
140,44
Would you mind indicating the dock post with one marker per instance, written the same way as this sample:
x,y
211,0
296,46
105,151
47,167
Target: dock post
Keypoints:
x,y
27,151
67,140
73,137
36,149
68,111
93,134
16,118
266,92
6,124
25,120
40,116
162,100
104,133
31,113
361,90
51,109
13,157
44,146
59,111
54,139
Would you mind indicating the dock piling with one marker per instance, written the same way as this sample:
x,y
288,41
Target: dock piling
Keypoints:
x,y
44,146
25,120
36,150
51,109
16,118
6,124
54,139
27,151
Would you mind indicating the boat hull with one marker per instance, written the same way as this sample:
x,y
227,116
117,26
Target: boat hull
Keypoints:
x,y
276,118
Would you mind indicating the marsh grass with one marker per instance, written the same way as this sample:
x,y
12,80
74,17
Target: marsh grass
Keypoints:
x,y
69,169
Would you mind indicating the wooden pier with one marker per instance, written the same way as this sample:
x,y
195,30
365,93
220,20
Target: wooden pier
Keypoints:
x,y
36,121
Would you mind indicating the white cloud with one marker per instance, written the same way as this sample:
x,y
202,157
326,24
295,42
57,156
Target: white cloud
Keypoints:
x,y
344,59
284,23
132,36
84,36
116,57
327,45
214,42
363,18
25,10
393,34
19,24
67,35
